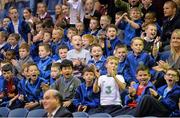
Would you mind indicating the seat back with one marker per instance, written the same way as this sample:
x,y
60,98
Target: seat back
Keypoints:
x,y
80,115
102,115
4,111
36,113
19,112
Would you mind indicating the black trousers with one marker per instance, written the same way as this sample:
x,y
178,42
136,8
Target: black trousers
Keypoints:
x,y
149,106
110,109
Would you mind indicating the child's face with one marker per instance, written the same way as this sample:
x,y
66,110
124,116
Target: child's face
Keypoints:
x,y
67,71
117,17
137,46
89,77
23,53
12,41
13,13
175,39
41,9
7,75
46,37
5,22
143,77
121,53
151,31
56,35
2,39
39,27
89,5
85,42
65,9
93,24
171,77
43,53
111,33
77,42
58,9
26,14
146,2
112,65
96,52
70,34
80,27
135,15
55,72
25,72
63,53
9,55
33,72
104,22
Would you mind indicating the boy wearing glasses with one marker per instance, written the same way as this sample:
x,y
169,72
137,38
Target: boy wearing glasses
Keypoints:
x,y
164,101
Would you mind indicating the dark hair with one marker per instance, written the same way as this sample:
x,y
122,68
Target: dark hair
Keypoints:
x,y
28,9
7,67
88,69
175,70
63,47
66,63
142,67
15,35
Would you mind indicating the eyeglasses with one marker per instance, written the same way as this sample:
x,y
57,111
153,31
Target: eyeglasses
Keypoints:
x,y
173,75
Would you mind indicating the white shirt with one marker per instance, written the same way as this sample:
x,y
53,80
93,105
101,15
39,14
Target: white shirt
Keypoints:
x,y
83,55
110,94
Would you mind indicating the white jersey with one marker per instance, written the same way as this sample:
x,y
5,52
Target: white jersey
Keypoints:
x,y
110,94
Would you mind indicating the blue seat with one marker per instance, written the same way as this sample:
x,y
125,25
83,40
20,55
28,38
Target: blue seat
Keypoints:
x,y
102,115
36,113
124,116
80,115
4,111
19,112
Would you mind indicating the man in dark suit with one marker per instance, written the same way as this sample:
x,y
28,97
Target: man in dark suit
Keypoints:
x,y
52,102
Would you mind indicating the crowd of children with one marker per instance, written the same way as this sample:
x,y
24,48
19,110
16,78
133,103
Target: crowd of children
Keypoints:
x,y
126,65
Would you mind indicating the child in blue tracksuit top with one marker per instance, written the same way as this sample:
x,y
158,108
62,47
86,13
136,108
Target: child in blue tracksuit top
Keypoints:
x,y
164,101
18,25
121,53
97,58
57,40
112,40
3,44
137,57
85,98
131,26
45,61
138,90
33,87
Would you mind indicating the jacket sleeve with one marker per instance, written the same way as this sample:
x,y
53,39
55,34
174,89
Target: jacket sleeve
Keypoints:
x,y
77,99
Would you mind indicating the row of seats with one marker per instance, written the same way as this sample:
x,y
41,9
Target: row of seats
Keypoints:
x,y
24,113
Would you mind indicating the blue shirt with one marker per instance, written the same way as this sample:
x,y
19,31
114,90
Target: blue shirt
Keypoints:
x,y
44,66
100,64
85,96
134,61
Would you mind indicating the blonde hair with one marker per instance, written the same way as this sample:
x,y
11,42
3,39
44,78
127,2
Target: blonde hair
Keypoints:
x,y
112,58
90,37
173,50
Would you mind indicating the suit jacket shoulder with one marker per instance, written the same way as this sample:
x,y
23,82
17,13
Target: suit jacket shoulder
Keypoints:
x,y
63,112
